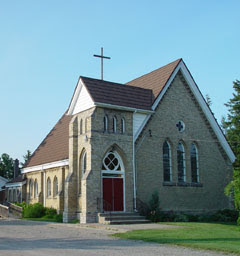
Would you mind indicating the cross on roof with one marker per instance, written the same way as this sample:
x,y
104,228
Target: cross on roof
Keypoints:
x,y
102,57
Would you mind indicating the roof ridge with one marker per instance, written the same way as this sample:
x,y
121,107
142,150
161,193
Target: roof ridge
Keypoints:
x,y
114,83
157,69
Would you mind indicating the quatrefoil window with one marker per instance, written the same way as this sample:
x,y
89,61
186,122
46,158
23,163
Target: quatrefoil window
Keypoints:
x,y
111,162
181,126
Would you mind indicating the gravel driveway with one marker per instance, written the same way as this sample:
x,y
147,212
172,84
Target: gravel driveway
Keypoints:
x,y
23,238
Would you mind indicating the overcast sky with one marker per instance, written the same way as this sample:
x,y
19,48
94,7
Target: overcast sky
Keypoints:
x,y
46,45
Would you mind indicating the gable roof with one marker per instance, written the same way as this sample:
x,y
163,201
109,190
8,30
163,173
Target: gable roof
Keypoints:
x,y
19,178
113,94
143,93
156,79
55,146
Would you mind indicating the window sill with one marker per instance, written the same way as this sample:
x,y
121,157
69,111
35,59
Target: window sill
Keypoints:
x,y
183,184
169,183
196,185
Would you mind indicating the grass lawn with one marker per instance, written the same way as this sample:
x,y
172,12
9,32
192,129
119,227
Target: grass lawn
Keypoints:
x,y
218,237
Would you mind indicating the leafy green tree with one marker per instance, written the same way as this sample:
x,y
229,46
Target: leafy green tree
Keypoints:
x,y
231,127
26,157
6,166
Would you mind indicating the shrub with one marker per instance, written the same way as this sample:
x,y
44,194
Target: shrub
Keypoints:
x,y
153,213
50,211
181,218
58,218
33,211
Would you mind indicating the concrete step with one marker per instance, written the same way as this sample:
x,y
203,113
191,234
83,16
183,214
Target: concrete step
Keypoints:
x,y
119,214
119,222
124,218
121,218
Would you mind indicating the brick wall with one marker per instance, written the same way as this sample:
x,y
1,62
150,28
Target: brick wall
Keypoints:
x,y
215,170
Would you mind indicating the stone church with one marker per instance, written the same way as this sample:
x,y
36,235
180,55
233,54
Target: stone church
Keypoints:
x,y
117,144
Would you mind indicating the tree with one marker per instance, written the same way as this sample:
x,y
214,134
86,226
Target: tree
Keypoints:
x,y
26,157
208,100
231,126
6,166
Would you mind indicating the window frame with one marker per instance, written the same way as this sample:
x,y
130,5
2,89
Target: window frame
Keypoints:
x,y
49,187
123,127
169,160
105,123
114,124
196,170
35,188
181,173
55,186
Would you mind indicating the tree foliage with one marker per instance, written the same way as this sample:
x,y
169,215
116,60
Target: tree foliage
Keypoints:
x,y
26,157
6,166
231,126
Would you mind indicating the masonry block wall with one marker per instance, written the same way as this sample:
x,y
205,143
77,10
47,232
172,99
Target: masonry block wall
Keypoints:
x,y
214,167
84,190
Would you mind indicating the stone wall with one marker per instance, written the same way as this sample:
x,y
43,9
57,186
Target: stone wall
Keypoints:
x,y
87,135
52,200
215,169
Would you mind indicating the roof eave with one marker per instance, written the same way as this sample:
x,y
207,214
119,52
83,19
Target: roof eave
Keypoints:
x,y
106,105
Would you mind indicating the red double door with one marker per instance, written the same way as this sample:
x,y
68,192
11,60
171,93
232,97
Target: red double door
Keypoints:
x,y
112,194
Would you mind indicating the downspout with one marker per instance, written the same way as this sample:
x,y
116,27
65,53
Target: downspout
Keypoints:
x,y
134,174
44,187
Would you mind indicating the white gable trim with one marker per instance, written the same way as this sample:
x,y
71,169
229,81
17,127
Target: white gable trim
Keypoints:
x,y
196,92
45,166
81,94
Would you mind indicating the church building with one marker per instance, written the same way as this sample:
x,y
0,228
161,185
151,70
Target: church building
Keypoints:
x,y
117,144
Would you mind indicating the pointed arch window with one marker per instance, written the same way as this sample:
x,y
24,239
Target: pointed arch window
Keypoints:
x,y
55,187
84,162
122,125
181,163
30,188
194,163
105,123
35,188
48,187
167,167
81,126
114,124
112,165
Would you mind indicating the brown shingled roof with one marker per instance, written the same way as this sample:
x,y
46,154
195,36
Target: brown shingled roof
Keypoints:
x,y
141,94
118,94
55,146
156,79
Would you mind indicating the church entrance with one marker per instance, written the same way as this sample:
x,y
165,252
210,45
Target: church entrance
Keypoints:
x,y
112,182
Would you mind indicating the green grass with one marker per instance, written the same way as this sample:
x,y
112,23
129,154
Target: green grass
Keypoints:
x,y
209,236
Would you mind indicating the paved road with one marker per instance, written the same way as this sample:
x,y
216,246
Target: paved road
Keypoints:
x,y
25,238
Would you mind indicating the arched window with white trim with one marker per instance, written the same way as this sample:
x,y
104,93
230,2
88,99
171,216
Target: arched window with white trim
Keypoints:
x,y
105,123
35,188
55,187
194,163
122,125
112,163
167,166
49,187
181,163
114,124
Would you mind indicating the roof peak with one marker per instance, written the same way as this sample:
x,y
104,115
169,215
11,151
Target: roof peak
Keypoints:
x,y
177,61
